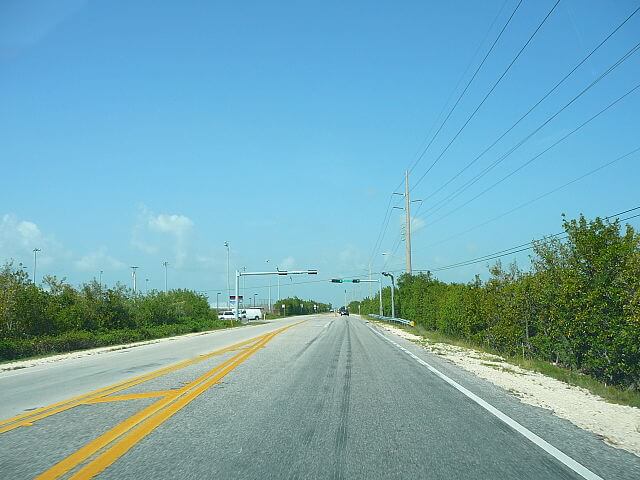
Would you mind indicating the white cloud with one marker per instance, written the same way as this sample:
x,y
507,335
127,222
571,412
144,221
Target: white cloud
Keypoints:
x,y
142,245
177,225
19,233
287,263
98,260
350,261
417,224
147,234
18,238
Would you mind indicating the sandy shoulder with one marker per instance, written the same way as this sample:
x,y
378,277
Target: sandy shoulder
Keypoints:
x,y
617,425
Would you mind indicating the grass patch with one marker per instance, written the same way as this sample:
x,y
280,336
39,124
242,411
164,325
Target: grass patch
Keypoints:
x,y
609,393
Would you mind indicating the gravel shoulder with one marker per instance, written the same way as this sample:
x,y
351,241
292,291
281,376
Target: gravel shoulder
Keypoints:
x,y
617,425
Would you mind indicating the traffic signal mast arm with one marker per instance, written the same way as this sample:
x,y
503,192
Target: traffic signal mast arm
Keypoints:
x,y
359,280
277,272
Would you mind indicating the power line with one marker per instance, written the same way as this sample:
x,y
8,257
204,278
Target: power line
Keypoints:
x,y
524,246
475,73
532,108
539,197
438,205
387,216
487,95
513,172
383,229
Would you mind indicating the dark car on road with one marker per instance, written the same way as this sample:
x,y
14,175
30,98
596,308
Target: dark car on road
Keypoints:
x,y
343,311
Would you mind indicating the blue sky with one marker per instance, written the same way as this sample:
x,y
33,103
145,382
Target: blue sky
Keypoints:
x,y
137,132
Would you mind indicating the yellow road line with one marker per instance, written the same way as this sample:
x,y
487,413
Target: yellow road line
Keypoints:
x,y
132,396
114,452
105,439
155,411
27,419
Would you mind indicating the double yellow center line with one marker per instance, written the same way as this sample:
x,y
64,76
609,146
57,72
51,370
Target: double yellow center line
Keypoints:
x,y
100,453
29,418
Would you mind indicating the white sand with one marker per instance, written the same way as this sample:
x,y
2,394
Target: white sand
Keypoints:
x,y
617,425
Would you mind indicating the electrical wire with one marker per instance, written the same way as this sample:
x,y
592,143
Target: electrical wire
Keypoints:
x,y
441,203
524,246
475,73
528,162
536,104
387,216
539,197
437,159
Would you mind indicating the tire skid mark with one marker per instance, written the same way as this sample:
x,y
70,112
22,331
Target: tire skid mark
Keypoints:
x,y
341,434
319,406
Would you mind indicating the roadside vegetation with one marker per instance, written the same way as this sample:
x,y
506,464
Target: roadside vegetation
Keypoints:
x,y
58,318
611,393
574,315
297,306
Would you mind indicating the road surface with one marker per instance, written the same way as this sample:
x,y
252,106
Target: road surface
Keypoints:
x,y
309,397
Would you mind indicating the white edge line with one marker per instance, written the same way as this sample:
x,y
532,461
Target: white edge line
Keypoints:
x,y
580,469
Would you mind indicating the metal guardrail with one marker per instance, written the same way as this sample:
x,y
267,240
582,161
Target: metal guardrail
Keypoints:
x,y
392,319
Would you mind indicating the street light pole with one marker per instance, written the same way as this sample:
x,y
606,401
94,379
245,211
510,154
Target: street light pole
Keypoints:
x,y
35,263
237,315
244,285
254,300
146,285
226,244
165,264
100,280
133,277
269,308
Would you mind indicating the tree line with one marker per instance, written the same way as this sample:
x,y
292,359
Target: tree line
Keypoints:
x,y
297,306
577,306
56,317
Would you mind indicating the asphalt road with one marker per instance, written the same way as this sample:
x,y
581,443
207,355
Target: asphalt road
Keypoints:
x,y
329,397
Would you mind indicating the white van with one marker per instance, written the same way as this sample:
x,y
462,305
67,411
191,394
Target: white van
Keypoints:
x,y
253,313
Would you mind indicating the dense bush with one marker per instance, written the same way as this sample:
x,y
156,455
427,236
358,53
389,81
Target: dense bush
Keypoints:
x,y
60,318
578,306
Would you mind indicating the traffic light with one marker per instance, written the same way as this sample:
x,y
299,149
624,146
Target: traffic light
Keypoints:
x,y
345,280
336,280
